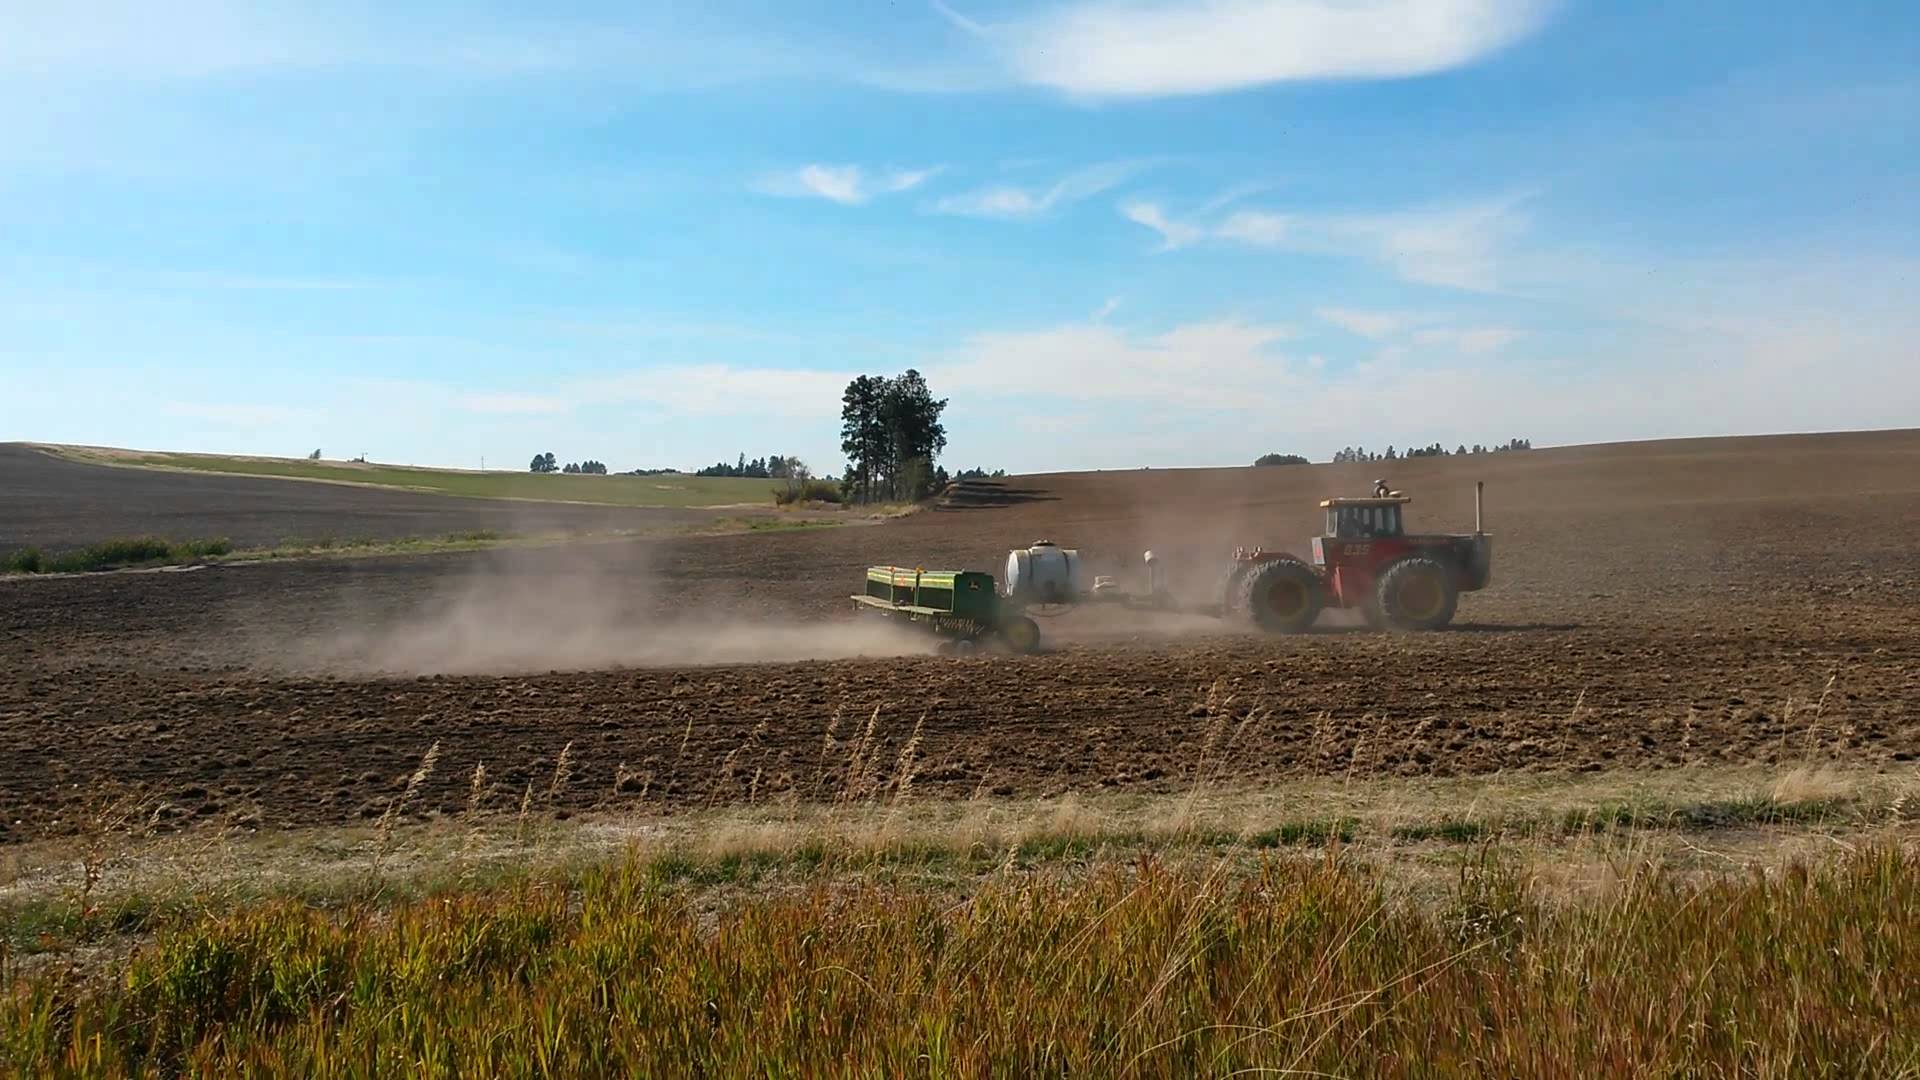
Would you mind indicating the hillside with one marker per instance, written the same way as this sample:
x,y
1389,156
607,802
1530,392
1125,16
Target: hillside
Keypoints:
x,y
676,489
54,501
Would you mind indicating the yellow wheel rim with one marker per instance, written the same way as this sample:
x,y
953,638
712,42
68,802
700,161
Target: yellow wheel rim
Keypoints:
x,y
1021,634
1287,599
1422,597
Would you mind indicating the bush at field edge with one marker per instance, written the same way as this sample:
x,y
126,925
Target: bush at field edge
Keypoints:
x,y
109,554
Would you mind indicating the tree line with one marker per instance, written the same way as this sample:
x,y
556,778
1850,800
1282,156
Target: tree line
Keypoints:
x,y
547,463
1361,455
891,432
771,467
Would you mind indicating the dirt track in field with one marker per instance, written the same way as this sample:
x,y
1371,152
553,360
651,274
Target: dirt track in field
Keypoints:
x,y
1653,605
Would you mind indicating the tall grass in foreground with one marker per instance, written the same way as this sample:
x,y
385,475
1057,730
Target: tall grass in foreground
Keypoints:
x,y
1136,969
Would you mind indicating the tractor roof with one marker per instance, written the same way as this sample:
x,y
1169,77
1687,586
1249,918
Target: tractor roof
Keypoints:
x,y
1391,500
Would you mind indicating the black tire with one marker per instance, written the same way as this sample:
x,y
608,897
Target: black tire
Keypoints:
x,y
1416,594
1233,583
1282,597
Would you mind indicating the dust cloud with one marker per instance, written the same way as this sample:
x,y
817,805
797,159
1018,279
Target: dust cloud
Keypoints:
x,y
569,608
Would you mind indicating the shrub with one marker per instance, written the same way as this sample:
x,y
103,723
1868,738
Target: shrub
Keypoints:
x,y
24,561
825,491
107,554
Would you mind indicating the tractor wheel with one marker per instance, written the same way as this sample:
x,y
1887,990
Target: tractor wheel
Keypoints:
x,y
1020,634
1416,594
1370,611
1233,582
1282,597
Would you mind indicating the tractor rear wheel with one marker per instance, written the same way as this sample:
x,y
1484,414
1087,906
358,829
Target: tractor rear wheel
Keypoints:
x,y
1416,594
1282,597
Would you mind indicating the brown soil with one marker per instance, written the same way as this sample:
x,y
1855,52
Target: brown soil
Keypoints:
x,y
1653,605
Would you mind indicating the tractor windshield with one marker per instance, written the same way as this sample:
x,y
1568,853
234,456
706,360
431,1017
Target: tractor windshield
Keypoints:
x,y
1363,522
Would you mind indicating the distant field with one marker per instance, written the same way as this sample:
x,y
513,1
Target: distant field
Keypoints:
x,y
61,502
672,491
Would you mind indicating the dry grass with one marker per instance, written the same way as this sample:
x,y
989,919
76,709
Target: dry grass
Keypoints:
x,y
1308,966
123,877
1354,924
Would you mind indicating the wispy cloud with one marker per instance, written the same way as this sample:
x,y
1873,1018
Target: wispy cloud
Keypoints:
x,y
1198,378
1425,329
1472,340
848,185
1367,324
1211,365
1173,234
1130,48
1457,246
1257,227
1016,202
715,390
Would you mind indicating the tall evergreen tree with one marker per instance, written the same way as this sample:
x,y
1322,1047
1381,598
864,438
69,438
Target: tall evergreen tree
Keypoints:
x,y
863,433
892,436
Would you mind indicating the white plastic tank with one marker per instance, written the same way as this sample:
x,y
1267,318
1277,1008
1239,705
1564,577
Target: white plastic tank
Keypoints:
x,y
1156,575
1046,574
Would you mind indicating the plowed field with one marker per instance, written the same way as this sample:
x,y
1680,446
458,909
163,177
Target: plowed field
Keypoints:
x,y
1653,605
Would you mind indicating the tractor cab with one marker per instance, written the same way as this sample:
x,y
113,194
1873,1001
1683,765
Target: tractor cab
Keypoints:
x,y
1365,519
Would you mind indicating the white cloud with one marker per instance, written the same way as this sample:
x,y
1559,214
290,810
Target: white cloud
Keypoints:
x,y
1256,227
1210,365
719,390
1014,202
1130,48
1424,329
1112,305
1367,324
1212,390
1473,341
1087,48
1173,234
1457,246
708,391
848,185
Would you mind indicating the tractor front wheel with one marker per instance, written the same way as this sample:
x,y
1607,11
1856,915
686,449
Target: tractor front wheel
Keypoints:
x,y
1416,594
1282,597
1233,582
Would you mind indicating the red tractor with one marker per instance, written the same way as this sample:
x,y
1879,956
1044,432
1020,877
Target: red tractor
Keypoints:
x,y
1367,561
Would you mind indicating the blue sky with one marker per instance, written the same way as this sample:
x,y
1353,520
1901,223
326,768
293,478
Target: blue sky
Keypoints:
x,y
1112,234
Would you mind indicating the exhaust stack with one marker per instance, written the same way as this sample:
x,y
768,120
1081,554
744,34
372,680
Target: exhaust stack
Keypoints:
x,y
1479,488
